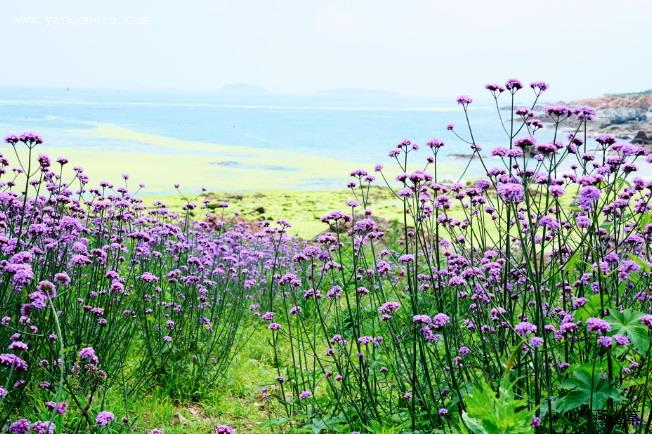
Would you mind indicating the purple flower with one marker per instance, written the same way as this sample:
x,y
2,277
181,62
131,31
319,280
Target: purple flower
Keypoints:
x,y
104,418
587,196
557,190
274,326
148,277
389,307
549,222
440,320
579,302
334,292
62,278
305,394
21,426
364,226
539,85
510,192
567,327
494,88
605,341
434,143
597,325
513,84
558,111
584,112
536,422
605,139
22,274
30,138
621,340
546,148
524,142
443,411
224,429
364,340
525,328
536,341
13,361
88,354
18,345
583,221
43,427
647,320
464,100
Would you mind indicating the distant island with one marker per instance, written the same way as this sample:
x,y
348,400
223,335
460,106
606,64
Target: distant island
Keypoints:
x,y
359,92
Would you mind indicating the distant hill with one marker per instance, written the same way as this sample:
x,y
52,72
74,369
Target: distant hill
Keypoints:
x,y
359,93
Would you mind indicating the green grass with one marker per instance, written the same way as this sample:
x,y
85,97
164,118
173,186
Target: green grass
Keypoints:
x,y
303,209
236,402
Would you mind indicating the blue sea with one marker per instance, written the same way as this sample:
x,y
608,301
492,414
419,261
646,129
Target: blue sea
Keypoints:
x,y
354,126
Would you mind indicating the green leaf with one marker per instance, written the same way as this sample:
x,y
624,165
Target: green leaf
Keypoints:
x,y
474,425
643,264
587,387
590,309
628,323
490,414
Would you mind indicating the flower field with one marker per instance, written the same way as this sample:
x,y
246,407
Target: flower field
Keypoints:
x,y
519,302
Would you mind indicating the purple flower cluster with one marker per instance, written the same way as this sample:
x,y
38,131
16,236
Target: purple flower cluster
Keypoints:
x,y
536,270
92,272
539,260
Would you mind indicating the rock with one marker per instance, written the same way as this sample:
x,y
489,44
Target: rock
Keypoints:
x,y
642,138
179,419
260,210
620,116
339,227
623,115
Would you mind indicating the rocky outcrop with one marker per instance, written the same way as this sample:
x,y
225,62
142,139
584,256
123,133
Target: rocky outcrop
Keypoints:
x,y
627,116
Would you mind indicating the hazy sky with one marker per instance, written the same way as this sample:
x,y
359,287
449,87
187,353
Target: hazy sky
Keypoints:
x,y
434,48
